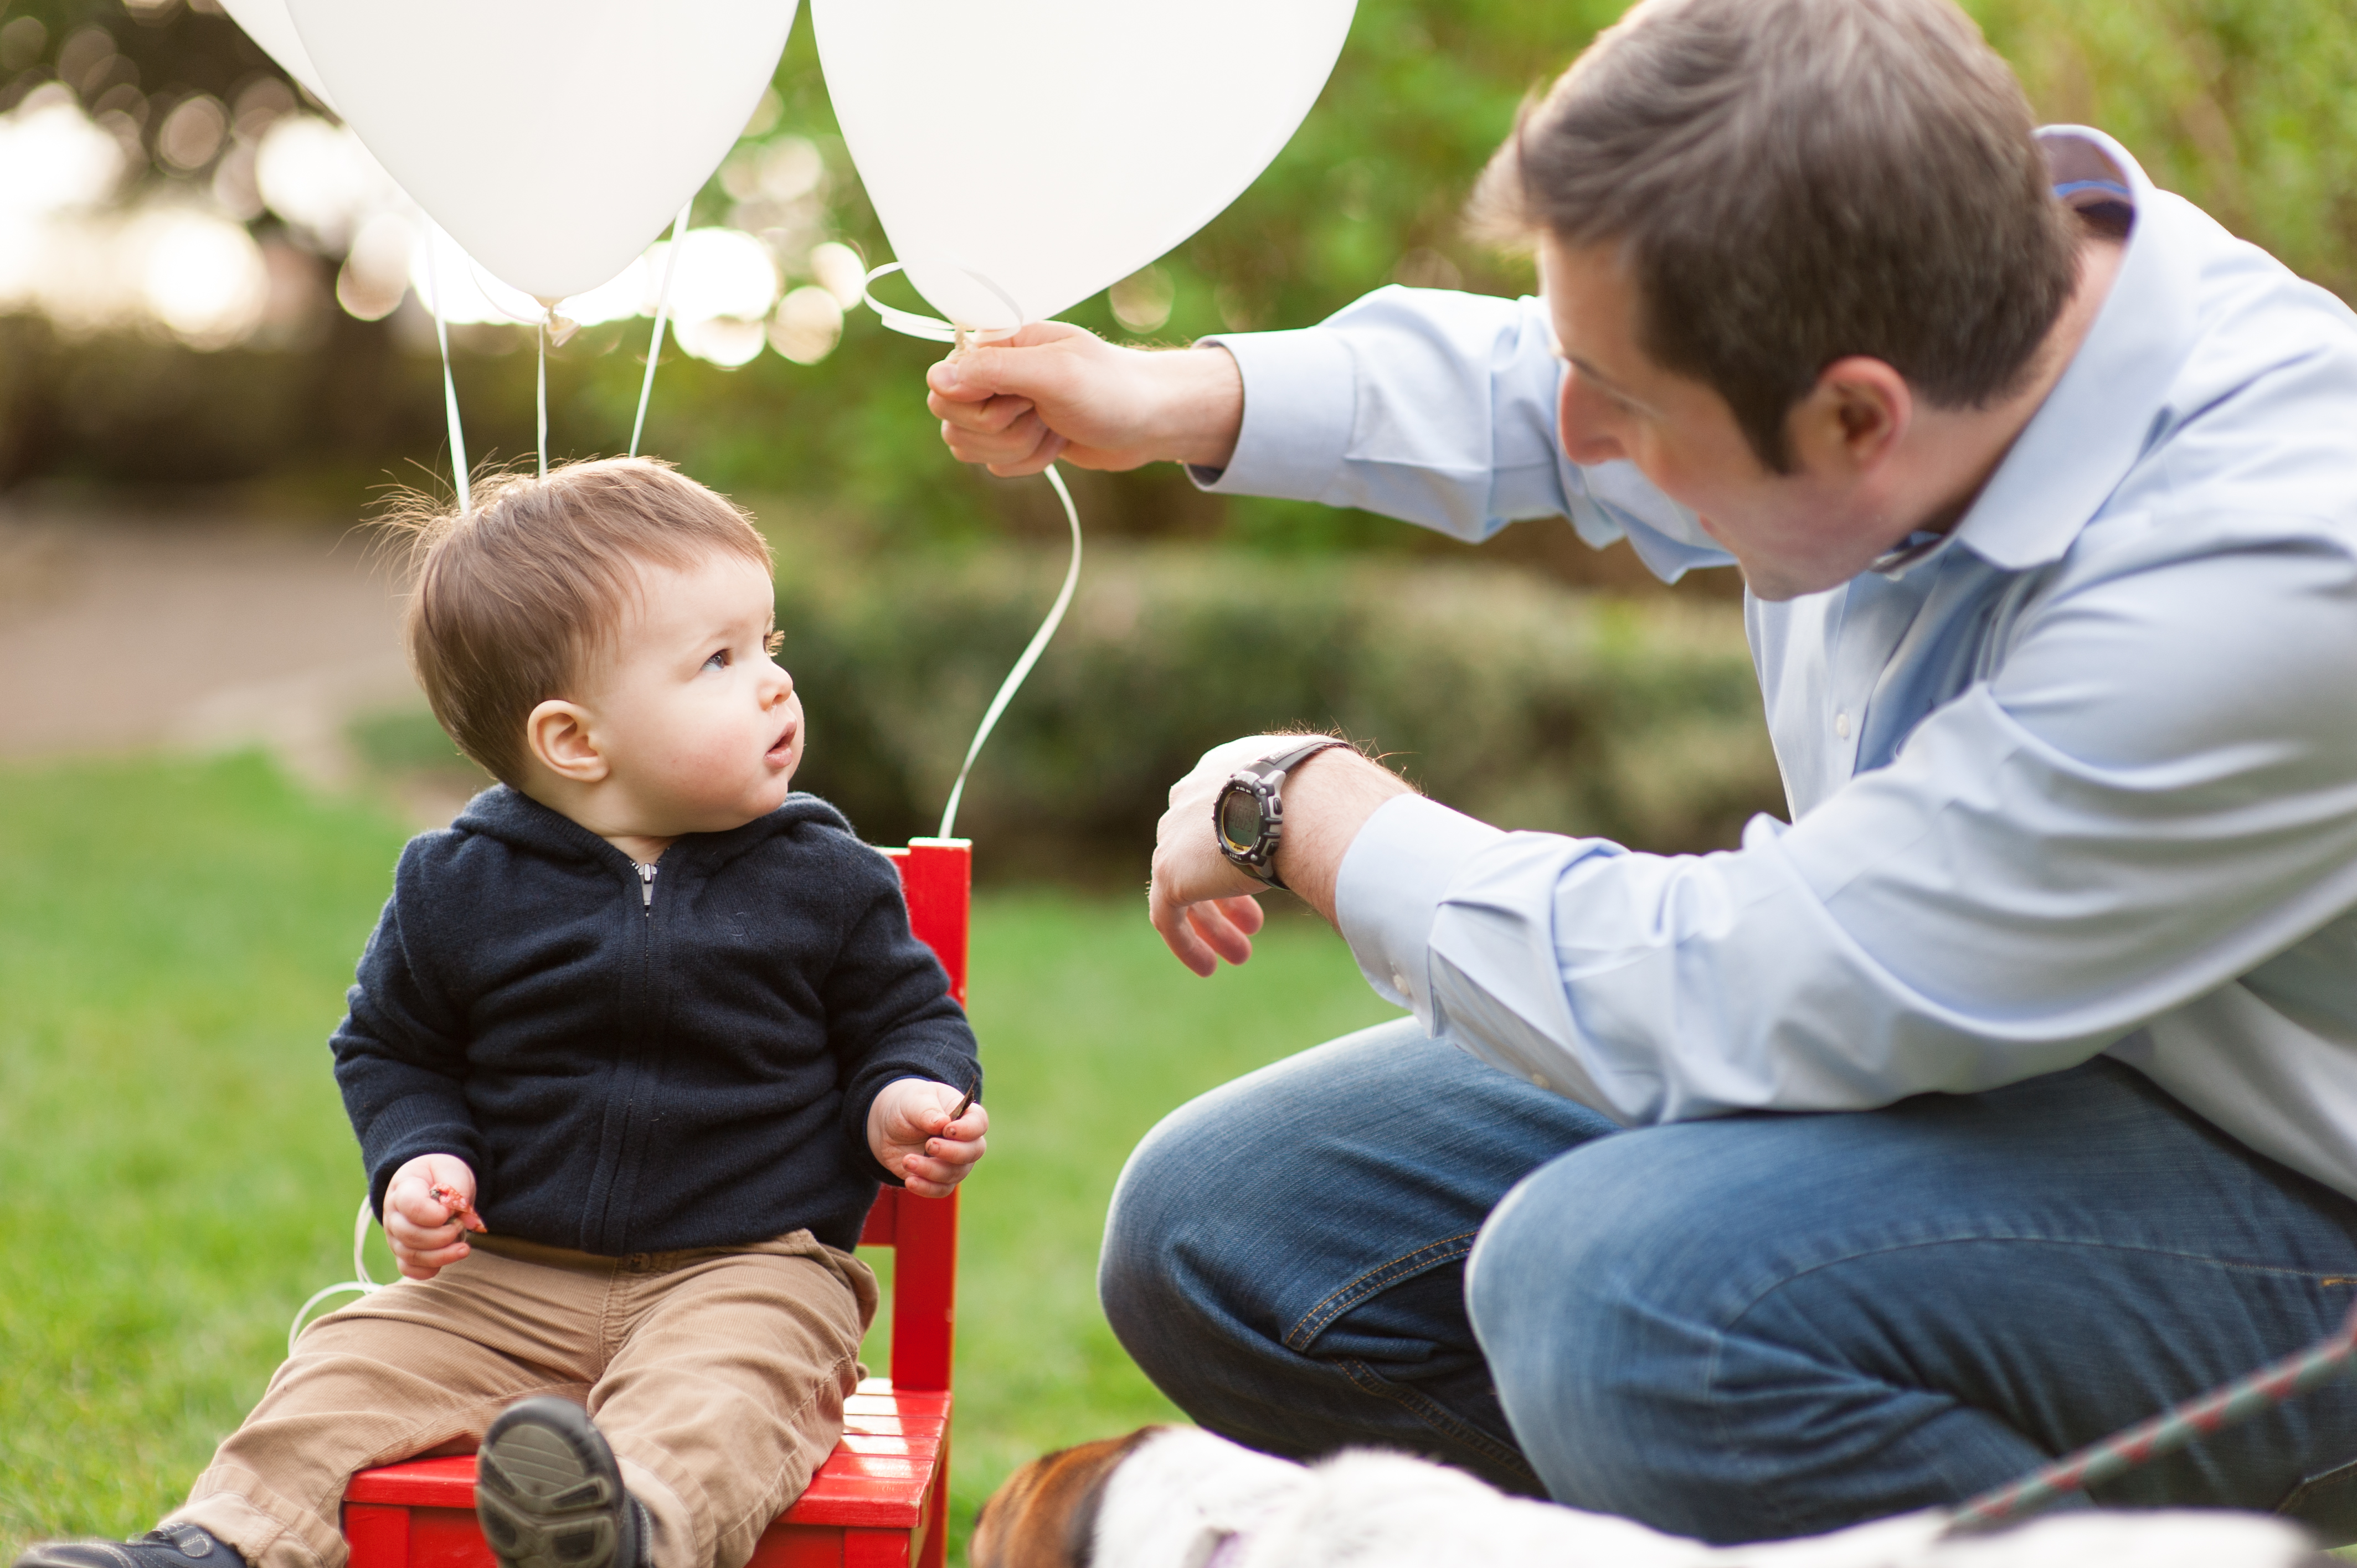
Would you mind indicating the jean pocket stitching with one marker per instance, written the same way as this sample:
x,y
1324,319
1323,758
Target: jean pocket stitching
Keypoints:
x,y
1382,1277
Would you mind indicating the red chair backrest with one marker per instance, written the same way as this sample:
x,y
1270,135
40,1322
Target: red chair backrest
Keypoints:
x,y
937,875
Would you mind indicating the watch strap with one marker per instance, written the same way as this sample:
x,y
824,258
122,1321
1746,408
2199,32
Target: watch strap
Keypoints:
x,y
1284,762
1268,773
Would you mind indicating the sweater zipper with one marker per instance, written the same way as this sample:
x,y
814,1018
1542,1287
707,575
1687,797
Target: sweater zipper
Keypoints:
x,y
647,888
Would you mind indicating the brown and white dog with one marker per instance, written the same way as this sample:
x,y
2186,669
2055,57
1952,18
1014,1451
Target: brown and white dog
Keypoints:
x,y
1176,1497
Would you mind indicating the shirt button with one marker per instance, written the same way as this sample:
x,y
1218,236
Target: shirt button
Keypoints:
x,y
1841,724
1399,983
1539,1078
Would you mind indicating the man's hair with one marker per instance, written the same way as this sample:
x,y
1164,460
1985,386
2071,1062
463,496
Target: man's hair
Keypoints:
x,y
1792,181
516,595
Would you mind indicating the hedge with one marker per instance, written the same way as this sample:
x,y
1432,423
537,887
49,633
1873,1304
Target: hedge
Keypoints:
x,y
1503,694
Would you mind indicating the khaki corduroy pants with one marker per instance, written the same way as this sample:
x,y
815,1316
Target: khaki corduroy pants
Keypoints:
x,y
718,1377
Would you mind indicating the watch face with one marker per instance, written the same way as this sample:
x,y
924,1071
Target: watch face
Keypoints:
x,y
1239,820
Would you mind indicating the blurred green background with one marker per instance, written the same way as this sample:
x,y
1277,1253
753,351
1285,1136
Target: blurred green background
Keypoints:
x,y
178,932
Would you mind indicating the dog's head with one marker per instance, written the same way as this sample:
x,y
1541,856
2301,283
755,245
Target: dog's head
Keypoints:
x,y
1045,1515
1163,1497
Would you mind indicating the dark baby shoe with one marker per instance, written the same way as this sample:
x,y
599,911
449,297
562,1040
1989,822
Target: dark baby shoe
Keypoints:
x,y
549,1494
175,1546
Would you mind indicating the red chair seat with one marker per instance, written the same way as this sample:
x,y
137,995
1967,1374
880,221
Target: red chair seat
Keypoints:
x,y
875,1500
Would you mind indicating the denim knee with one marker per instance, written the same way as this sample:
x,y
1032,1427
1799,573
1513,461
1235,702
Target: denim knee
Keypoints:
x,y
1591,1291
1160,1300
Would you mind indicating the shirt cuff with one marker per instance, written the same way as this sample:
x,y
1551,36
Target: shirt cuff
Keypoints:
x,y
1301,397
1390,887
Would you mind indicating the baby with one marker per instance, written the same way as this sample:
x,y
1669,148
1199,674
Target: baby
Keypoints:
x,y
634,1042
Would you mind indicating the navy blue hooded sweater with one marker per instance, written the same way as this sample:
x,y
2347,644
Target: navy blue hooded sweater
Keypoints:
x,y
635,1067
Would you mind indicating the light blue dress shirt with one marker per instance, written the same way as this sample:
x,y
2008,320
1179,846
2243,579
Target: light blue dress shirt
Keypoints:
x,y
2079,778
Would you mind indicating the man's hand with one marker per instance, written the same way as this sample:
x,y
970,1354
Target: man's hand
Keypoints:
x,y
909,1130
1058,391
1202,903
427,1234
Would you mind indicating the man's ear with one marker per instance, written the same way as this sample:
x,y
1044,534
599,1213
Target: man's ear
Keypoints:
x,y
557,733
1852,419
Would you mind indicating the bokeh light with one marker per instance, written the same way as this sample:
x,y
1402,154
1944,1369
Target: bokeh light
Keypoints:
x,y
53,157
841,271
721,295
1142,301
210,216
200,274
375,273
193,132
319,179
808,325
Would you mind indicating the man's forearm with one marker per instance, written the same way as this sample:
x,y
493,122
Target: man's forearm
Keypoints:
x,y
1327,798
1203,405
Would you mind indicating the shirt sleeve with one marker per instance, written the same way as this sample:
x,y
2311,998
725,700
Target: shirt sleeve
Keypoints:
x,y
2153,793
1437,407
401,1052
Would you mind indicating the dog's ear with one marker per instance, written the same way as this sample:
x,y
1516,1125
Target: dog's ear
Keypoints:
x,y
1045,1515
1081,1534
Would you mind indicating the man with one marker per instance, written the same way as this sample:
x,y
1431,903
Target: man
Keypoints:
x,y
2045,491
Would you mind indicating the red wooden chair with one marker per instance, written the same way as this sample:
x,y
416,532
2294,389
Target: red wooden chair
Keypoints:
x,y
881,1500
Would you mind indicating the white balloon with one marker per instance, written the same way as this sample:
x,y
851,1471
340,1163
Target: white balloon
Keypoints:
x,y
1026,154
552,138
268,25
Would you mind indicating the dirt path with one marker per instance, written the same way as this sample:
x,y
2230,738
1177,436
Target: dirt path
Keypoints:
x,y
119,636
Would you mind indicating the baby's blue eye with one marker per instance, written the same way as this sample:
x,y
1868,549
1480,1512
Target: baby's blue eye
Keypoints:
x,y
720,661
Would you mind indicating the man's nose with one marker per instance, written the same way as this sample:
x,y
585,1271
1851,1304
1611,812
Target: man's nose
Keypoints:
x,y
1584,419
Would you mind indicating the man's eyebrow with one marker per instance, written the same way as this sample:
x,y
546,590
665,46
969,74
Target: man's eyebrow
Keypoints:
x,y
1610,387
1593,374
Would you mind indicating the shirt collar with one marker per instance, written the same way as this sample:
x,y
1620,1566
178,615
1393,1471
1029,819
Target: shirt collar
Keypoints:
x,y
2099,419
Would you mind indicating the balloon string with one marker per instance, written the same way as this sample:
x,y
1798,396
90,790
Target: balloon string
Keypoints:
x,y
540,332
1014,680
909,324
662,312
359,1282
934,329
449,387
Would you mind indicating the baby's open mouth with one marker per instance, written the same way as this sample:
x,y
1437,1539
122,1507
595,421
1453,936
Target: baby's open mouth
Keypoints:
x,y
783,746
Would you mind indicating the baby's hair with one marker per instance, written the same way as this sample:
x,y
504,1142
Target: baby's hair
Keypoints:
x,y
516,594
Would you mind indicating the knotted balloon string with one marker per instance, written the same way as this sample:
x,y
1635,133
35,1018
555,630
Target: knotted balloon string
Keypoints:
x,y
934,329
913,324
551,329
663,314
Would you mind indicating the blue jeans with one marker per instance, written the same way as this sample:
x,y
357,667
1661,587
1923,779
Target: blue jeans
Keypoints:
x,y
1738,1329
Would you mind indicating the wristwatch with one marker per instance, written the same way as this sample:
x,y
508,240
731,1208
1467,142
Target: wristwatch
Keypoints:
x,y
1249,814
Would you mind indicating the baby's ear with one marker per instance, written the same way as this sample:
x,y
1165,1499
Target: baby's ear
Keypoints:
x,y
557,736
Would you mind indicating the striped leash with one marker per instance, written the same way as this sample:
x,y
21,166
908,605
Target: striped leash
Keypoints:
x,y
2173,1429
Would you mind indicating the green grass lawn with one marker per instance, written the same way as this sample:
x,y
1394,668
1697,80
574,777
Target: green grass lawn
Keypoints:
x,y
176,1172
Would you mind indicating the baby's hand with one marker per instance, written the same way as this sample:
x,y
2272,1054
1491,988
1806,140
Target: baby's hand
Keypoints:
x,y
428,1208
909,1128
